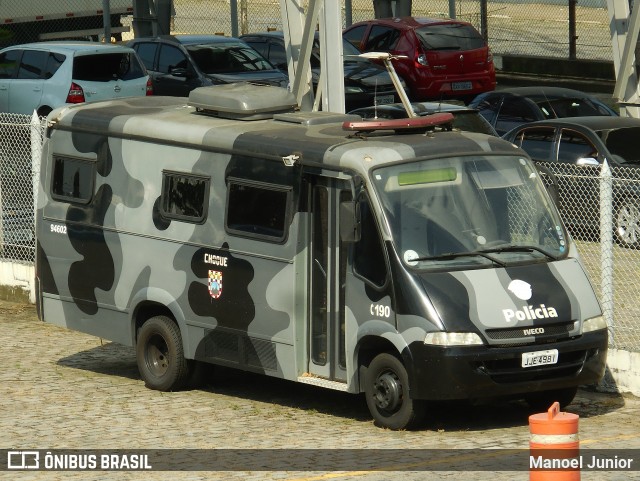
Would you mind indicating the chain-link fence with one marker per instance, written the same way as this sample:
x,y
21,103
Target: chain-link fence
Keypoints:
x,y
601,209
18,181
547,28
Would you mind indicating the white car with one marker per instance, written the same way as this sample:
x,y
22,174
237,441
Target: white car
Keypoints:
x,y
43,76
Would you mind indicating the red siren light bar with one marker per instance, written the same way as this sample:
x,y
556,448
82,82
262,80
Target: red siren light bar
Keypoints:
x,y
413,123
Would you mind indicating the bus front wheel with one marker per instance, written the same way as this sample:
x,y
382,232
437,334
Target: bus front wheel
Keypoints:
x,y
387,394
160,355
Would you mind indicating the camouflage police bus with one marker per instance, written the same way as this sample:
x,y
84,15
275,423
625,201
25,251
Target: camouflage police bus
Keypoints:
x,y
400,259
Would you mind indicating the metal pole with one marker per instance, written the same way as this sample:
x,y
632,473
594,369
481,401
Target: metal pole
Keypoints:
x,y
234,17
572,29
244,22
606,247
484,30
348,13
106,20
452,8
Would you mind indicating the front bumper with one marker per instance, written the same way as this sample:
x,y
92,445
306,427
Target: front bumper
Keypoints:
x,y
479,372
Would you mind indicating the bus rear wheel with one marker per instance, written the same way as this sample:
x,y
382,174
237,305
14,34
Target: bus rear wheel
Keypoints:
x,y
387,394
160,355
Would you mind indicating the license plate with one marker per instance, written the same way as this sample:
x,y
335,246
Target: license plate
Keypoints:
x,y
384,99
539,358
461,86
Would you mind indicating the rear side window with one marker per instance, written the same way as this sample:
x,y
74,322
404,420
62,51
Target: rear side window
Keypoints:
x,y
257,210
185,197
538,143
54,62
454,36
33,64
574,146
9,63
107,66
382,38
73,179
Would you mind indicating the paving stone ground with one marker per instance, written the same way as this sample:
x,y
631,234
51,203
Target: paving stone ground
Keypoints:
x,y
66,390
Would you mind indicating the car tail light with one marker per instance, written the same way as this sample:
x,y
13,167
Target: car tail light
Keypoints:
x,y
149,89
76,94
489,55
422,60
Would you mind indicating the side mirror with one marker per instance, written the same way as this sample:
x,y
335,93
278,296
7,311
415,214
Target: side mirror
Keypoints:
x,y
349,221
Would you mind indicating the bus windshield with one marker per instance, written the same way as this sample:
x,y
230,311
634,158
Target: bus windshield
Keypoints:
x,y
472,211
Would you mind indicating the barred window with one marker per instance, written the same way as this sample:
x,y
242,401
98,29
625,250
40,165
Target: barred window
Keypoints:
x,y
185,197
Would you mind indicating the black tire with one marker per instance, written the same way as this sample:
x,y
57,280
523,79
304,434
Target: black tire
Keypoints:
x,y
160,355
387,394
543,400
627,232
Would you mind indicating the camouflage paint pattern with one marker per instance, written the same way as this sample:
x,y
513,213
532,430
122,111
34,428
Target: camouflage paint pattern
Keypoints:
x,y
106,265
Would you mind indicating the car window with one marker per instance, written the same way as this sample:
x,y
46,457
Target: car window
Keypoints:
x,y
569,108
212,59
9,63
489,106
276,55
107,66
382,38
573,146
171,58
147,53
514,112
54,61
354,36
623,143
537,142
33,64
452,36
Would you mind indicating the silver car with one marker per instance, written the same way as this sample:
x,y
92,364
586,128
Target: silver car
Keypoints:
x,y
43,76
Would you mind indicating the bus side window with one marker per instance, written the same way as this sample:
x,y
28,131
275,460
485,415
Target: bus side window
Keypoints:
x,y
73,179
368,253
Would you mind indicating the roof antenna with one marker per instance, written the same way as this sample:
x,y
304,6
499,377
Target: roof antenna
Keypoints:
x,y
544,94
375,101
386,57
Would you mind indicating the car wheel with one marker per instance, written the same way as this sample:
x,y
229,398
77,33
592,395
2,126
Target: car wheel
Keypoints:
x,y
543,400
628,223
387,394
160,355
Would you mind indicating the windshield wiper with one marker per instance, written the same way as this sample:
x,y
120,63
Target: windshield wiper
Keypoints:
x,y
453,255
517,248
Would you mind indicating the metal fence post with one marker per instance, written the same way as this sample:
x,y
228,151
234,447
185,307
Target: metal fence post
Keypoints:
x,y
606,246
106,19
36,153
572,29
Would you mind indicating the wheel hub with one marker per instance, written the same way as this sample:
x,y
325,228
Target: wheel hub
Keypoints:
x,y
156,356
388,391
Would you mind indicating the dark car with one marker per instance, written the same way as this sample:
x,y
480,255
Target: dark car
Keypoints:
x,y
443,58
508,108
464,118
180,63
365,82
574,149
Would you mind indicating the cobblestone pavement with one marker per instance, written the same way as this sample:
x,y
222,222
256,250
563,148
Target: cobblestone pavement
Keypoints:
x,y
66,390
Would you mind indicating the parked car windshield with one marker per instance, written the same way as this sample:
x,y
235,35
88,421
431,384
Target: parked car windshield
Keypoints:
x,y
227,58
471,212
622,143
453,36
107,66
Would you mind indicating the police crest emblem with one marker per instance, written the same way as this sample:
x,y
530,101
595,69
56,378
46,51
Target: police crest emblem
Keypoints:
x,y
215,284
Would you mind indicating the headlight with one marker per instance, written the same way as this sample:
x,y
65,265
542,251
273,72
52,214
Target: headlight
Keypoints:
x,y
453,339
352,89
594,324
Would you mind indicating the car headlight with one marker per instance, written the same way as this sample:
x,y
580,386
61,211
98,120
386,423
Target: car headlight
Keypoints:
x,y
453,339
594,324
352,89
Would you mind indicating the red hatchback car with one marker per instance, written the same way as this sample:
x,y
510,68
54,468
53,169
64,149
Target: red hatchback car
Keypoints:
x,y
445,58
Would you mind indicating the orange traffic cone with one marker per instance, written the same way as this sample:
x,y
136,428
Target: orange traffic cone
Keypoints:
x,y
554,448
